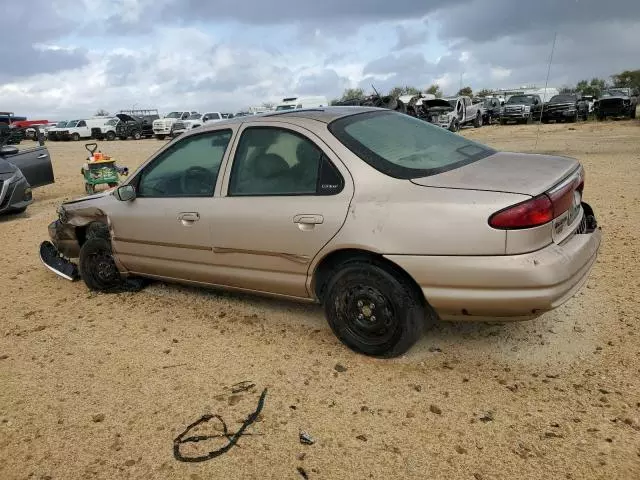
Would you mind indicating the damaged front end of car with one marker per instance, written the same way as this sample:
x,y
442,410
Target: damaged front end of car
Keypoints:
x,y
67,234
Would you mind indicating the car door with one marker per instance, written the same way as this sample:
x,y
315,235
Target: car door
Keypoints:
x,y
285,195
166,230
83,130
34,163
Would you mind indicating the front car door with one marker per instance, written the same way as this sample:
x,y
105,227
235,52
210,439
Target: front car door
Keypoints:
x,y
166,230
285,195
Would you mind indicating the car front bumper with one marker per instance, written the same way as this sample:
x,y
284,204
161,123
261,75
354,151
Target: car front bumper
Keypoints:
x,y
509,287
15,195
559,114
158,130
515,115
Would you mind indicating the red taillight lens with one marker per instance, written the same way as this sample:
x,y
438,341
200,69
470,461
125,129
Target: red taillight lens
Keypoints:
x,y
532,213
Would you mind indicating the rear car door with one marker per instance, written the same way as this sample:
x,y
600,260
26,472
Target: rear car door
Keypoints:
x,y
35,165
166,230
285,195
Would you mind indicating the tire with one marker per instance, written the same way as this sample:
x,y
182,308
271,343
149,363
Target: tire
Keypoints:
x,y
477,123
89,188
544,120
455,125
529,120
97,267
503,121
75,137
137,135
358,290
633,111
160,137
110,136
601,118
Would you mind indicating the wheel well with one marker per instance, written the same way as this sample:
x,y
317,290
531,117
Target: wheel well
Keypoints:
x,y
329,265
97,228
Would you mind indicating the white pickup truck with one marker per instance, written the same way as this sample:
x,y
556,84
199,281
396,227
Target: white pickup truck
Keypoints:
x,y
195,120
163,127
454,112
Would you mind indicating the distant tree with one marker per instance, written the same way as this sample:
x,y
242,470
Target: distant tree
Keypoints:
x,y
406,90
628,79
484,93
434,90
352,94
466,91
567,89
593,87
101,113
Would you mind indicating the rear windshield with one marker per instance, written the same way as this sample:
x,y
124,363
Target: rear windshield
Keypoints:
x,y
405,147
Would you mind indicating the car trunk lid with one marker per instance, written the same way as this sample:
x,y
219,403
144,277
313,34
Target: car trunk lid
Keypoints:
x,y
521,173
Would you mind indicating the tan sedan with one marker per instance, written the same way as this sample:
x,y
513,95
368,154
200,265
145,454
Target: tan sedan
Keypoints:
x,y
389,221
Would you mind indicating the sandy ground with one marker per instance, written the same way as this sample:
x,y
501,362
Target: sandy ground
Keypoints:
x,y
98,386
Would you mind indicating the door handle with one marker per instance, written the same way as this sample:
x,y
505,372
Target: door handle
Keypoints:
x,y
188,218
42,155
308,219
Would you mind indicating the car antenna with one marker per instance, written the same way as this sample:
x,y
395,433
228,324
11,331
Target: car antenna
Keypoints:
x,y
546,83
374,89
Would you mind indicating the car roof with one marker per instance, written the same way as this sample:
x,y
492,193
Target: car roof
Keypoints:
x,y
320,114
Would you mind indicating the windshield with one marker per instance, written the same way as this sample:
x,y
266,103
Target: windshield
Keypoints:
x,y
113,122
195,116
72,123
285,107
563,99
405,147
61,124
520,100
174,115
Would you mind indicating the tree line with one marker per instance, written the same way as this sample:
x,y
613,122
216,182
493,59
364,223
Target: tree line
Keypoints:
x,y
595,86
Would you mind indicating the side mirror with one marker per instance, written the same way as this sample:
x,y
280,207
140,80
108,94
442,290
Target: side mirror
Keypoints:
x,y
125,193
8,150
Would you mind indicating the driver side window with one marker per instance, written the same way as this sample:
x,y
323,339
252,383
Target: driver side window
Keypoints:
x,y
188,168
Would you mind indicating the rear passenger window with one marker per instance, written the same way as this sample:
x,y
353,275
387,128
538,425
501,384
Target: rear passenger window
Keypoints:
x,y
275,161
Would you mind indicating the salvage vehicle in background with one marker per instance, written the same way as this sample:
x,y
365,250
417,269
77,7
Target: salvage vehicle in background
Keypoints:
x,y
123,126
616,102
52,133
278,203
566,107
491,109
20,171
163,127
462,112
196,120
78,129
10,135
521,109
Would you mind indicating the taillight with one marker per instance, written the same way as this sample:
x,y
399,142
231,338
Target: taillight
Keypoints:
x,y
539,210
532,213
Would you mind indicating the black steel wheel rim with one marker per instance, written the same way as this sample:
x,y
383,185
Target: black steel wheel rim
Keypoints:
x,y
369,315
102,268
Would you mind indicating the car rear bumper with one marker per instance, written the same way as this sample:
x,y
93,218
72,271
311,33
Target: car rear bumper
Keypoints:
x,y
510,286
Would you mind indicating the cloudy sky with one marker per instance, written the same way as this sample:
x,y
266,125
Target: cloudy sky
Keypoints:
x,y
67,58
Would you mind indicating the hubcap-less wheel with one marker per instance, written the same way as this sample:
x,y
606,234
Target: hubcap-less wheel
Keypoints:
x,y
102,268
369,315
374,309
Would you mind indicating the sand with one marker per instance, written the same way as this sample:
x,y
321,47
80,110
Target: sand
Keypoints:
x,y
98,386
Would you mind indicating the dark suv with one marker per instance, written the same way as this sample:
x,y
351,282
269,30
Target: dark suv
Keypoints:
x,y
566,107
521,108
617,102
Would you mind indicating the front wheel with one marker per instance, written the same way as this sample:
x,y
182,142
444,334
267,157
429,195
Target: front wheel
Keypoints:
x,y
97,267
477,123
136,135
373,310
75,137
455,125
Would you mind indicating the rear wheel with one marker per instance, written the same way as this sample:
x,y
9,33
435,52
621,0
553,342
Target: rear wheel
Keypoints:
x,y
110,135
477,123
374,310
503,121
137,135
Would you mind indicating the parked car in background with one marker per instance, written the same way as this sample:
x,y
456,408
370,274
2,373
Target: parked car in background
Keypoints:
x,y
10,135
79,129
278,203
52,132
491,109
163,127
521,109
123,126
566,107
617,102
461,112
21,171
196,120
